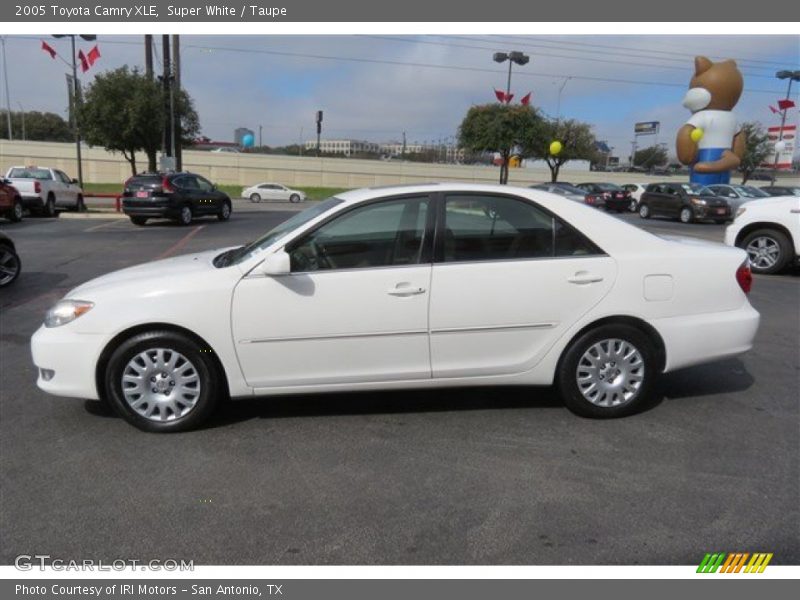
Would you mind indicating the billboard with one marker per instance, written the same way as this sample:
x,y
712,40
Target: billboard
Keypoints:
x,y
647,128
789,140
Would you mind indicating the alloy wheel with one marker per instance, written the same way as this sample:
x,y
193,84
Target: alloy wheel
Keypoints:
x,y
610,373
764,252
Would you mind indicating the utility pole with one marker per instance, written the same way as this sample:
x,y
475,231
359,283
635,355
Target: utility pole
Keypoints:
x,y
166,146
403,155
319,129
22,114
260,140
148,56
633,153
177,136
791,76
8,96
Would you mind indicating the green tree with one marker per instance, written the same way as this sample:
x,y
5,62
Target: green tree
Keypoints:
x,y
123,111
757,149
499,128
38,126
577,143
652,156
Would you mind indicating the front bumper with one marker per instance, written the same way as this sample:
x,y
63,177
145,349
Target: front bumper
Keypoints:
x,y
711,212
71,356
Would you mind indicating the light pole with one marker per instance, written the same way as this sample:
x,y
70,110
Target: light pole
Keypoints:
x,y
8,96
22,114
75,96
791,76
511,57
558,106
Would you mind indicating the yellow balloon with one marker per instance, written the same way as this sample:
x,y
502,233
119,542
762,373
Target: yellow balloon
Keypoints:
x,y
696,135
555,148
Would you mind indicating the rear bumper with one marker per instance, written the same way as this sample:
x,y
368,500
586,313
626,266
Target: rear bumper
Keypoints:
x,y
71,357
29,201
615,204
158,208
707,337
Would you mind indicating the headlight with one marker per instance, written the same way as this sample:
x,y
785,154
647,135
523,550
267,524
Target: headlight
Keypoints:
x,y
740,211
698,201
66,311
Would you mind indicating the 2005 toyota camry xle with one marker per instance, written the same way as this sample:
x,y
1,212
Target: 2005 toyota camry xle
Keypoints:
x,y
406,287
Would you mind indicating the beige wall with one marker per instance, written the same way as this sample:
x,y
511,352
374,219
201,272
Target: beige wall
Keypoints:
x,y
100,166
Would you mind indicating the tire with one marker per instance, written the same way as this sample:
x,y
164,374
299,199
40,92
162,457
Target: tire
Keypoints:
x,y
633,206
146,358
49,209
769,250
139,221
255,198
225,212
80,205
644,211
15,214
10,266
625,395
185,216
686,215
294,198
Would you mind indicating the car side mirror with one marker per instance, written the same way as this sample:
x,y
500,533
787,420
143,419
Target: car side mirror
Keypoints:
x,y
277,263
75,181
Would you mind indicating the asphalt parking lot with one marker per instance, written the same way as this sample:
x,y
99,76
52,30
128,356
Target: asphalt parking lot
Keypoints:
x,y
479,476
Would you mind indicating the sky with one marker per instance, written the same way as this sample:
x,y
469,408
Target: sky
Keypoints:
x,y
377,87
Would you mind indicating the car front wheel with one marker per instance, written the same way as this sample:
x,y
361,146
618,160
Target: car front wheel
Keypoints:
x,y
139,220
644,211
225,211
608,372
294,198
161,381
686,215
255,198
769,250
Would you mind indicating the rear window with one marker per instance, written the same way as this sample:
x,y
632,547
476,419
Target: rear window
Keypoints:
x,y
24,173
609,187
143,181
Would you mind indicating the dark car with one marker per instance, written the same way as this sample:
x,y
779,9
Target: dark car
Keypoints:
x,y
177,196
685,201
614,196
782,190
736,195
10,201
572,193
10,265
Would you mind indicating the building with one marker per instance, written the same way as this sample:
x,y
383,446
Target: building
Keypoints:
x,y
240,132
343,147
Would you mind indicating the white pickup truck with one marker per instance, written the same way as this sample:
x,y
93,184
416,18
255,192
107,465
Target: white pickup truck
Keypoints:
x,y
43,189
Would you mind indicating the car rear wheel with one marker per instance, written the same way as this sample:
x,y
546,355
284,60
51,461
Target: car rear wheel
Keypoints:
x,y
769,250
10,266
255,198
294,198
161,381
686,215
15,214
80,206
608,372
139,220
224,212
185,216
50,207
632,206
644,211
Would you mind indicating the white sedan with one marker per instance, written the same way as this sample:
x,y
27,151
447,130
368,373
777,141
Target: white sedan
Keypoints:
x,y
272,191
408,287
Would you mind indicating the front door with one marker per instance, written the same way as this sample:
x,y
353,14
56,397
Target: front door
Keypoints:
x,y
354,307
508,280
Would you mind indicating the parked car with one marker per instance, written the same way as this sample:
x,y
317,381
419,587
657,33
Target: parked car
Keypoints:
x,y
44,189
10,264
782,190
405,287
768,229
635,190
684,201
736,195
177,196
272,191
573,193
615,197
10,201
226,149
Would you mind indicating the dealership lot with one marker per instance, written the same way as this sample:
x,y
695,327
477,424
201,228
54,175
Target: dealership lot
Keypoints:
x,y
480,476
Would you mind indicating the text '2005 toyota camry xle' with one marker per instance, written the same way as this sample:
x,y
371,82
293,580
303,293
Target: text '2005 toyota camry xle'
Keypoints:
x,y
407,287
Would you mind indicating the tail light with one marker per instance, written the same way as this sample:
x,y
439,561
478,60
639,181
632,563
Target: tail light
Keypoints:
x,y
744,277
589,199
37,187
166,187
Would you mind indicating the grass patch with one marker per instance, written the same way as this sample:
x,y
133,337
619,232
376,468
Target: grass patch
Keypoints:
x,y
102,188
313,193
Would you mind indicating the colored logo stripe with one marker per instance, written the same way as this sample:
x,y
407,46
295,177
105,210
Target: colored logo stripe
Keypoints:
x,y
734,562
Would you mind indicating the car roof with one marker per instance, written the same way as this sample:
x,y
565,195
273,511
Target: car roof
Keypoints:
x,y
363,194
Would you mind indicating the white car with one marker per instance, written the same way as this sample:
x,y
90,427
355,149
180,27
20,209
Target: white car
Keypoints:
x,y
636,190
408,287
272,191
769,231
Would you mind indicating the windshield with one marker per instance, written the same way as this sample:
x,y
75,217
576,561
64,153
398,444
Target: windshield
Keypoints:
x,y
609,187
697,189
237,255
748,191
33,173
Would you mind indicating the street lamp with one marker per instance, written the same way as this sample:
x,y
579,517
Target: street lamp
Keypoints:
x,y
511,57
22,114
75,96
791,76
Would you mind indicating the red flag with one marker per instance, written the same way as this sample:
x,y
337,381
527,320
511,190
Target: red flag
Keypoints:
x,y
773,109
501,96
526,99
84,61
509,97
93,55
785,104
49,49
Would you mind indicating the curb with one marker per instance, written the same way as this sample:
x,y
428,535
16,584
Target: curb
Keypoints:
x,y
92,215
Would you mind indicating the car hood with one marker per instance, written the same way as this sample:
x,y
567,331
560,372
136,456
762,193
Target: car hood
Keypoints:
x,y
151,277
772,201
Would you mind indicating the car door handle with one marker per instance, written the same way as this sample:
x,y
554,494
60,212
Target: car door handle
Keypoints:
x,y
401,290
583,278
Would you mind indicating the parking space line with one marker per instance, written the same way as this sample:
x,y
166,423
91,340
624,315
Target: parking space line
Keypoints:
x,y
179,244
108,224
